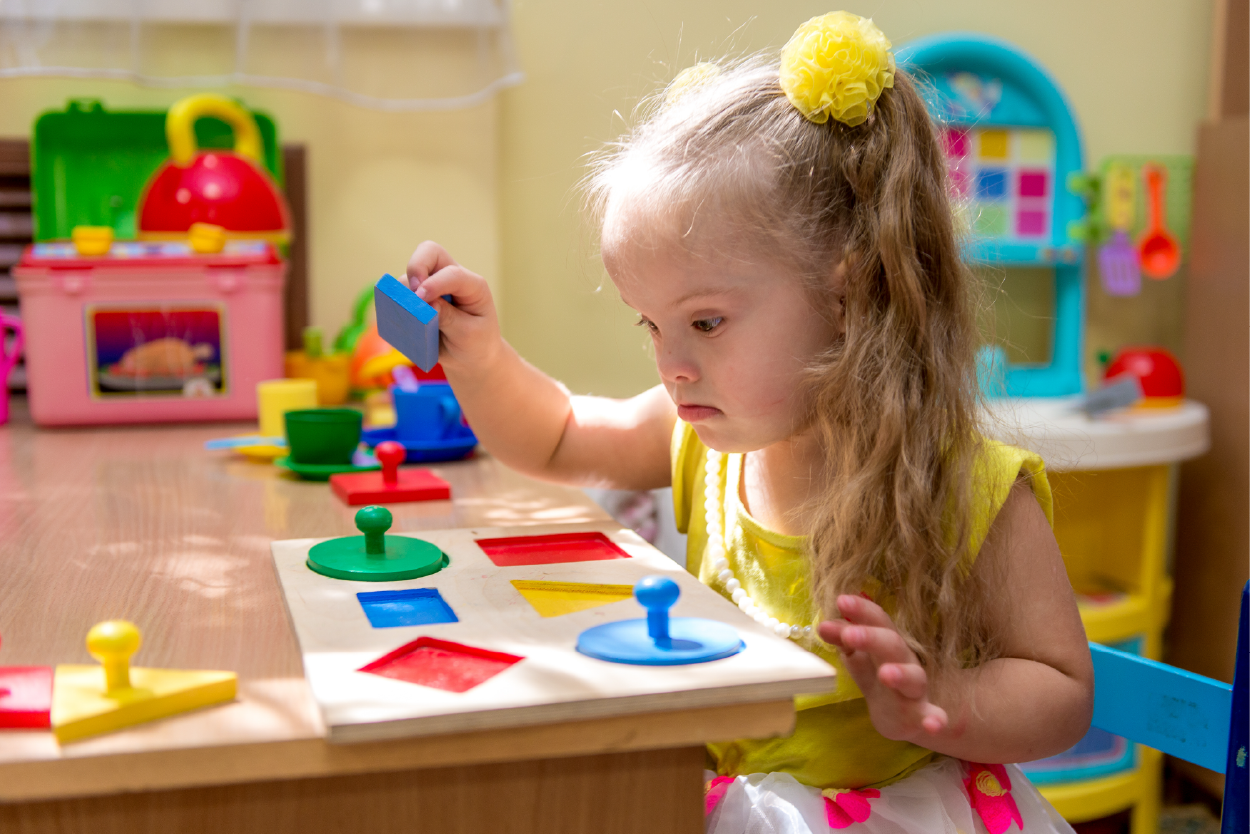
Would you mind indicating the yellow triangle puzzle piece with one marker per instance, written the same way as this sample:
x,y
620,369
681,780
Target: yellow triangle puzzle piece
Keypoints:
x,y
80,707
551,599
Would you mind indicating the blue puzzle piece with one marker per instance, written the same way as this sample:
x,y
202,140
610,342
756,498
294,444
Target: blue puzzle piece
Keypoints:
x,y
658,640
406,322
405,607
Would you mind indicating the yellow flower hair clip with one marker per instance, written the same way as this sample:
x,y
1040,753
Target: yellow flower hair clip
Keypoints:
x,y
836,66
690,78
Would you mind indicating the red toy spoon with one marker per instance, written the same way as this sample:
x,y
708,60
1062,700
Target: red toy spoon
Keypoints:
x,y
1160,253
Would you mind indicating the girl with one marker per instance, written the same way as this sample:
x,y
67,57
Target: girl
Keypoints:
x,y
783,230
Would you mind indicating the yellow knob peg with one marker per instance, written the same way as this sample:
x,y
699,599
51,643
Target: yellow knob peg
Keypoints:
x,y
112,643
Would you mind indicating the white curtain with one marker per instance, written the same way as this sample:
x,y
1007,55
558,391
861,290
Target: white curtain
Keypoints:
x,y
383,54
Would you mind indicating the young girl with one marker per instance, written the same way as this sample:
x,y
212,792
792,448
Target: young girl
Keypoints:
x,y
784,231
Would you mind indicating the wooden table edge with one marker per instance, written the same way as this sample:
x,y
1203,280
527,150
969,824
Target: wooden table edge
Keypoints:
x,y
28,780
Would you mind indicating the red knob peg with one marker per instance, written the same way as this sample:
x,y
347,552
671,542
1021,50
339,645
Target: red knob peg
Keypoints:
x,y
390,455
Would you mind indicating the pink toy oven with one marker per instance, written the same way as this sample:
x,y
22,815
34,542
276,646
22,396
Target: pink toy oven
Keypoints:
x,y
150,332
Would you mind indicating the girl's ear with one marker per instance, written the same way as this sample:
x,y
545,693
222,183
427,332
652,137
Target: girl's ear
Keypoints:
x,y
837,284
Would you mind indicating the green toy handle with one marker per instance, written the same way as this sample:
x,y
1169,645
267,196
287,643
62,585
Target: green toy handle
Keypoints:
x,y
374,522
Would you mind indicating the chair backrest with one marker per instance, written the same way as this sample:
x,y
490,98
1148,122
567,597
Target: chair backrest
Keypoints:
x,y
1236,778
1180,713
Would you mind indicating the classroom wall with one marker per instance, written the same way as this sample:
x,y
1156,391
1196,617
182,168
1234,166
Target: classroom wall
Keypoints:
x,y
1135,72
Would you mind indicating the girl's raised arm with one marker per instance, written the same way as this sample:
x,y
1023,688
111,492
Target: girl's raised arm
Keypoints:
x,y
523,417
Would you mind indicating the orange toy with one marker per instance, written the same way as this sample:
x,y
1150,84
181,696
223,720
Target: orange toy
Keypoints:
x,y
374,358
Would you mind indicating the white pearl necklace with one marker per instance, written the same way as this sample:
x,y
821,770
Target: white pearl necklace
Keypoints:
x,y
720,565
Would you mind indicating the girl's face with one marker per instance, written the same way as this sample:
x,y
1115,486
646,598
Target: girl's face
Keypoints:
x,y
732,335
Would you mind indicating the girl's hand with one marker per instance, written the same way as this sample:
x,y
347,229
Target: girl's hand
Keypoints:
x,y
470,327
886,670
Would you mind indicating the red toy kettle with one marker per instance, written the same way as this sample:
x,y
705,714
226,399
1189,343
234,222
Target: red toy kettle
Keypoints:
x,y
1162,380
228,189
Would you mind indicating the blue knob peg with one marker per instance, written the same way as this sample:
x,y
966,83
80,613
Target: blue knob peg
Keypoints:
x,y
657,594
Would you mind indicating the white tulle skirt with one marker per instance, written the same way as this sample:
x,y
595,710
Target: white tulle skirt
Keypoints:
x,y
948,795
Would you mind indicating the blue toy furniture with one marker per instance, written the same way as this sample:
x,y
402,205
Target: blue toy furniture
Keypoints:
x,y
1189,716
1012,144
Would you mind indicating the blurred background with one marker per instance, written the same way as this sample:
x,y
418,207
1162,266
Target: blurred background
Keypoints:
x,y
496,183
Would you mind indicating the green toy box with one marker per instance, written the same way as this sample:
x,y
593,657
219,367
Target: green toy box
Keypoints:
x,y
89,164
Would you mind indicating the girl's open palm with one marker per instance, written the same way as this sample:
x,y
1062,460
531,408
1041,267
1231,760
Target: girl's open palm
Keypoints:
x,y
894,683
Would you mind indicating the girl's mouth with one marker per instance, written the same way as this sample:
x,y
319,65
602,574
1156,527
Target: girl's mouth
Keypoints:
x,y
694,413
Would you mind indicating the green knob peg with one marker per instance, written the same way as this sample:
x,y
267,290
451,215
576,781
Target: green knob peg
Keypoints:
x,y
374,522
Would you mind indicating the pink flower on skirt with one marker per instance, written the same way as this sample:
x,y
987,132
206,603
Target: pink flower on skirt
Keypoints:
x,y
844,807
989,791
714,791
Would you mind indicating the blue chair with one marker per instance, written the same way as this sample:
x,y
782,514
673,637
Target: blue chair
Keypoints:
x,y
1189,716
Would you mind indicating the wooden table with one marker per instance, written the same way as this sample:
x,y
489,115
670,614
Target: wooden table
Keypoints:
x,y
141,523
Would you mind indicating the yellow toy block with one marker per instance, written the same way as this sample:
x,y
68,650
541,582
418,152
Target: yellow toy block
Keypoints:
x,y
89,700
551,599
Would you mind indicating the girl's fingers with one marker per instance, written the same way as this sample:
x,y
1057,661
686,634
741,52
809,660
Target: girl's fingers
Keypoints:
x,y
934,720
884,644
470,291
863,611
909,680
830,631
427,259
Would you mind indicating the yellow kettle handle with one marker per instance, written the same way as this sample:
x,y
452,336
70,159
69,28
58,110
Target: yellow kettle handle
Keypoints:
x,y
180,127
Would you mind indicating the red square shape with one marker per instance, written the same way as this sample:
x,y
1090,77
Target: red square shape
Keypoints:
x,y
441,664
1030,223
552,548
25,697
370,488
1032,183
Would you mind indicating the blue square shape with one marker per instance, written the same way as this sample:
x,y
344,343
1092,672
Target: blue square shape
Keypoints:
x,y
405,607
991,183
406,322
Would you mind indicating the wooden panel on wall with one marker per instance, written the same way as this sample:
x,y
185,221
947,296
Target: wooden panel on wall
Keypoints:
x,y
295,298
16,229
1213,541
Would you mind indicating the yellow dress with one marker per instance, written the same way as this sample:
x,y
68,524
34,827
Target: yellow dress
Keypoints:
x,y
834,743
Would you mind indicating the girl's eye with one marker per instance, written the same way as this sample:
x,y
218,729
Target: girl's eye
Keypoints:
x,y
708,325
644,322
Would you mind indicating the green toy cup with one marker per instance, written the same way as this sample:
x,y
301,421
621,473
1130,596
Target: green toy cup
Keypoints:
x,y
323,436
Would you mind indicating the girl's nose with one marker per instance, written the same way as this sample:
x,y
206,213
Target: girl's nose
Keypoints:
x,y
675,367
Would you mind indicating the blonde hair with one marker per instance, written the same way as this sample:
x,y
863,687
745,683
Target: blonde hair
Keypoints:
x,y
893,400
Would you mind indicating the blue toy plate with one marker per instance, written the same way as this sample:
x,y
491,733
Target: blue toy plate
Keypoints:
x,y
445,449
691,641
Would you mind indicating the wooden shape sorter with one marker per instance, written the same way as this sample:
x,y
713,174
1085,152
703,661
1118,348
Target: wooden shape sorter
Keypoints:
x,y
502,663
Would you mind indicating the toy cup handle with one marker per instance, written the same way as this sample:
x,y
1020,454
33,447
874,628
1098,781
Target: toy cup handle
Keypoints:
x,y
180,127
451,413
8,359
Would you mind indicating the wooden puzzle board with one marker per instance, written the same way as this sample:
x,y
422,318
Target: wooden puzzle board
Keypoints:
x,y
554,682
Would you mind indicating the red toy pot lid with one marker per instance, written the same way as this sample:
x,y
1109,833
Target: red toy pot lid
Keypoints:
x,y
1158,370
218,187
